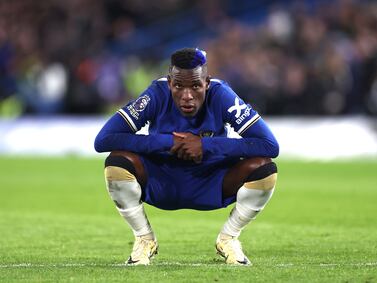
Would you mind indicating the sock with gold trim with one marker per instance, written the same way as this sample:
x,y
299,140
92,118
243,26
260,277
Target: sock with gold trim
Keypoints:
x,y
125,191
252,197
249,203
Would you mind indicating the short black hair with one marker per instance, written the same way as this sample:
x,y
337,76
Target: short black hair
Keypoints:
x,y
188,58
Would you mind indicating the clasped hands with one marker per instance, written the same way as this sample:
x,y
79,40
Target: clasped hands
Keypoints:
x,y
187,146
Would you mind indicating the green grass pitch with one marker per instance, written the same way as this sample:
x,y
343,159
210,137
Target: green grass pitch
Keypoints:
x,y
57,224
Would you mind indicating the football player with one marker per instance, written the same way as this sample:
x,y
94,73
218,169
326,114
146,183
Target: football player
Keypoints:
x,y
187,160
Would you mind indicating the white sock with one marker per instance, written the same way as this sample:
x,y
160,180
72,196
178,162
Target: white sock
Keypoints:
x,y
126,194
138,221
249,203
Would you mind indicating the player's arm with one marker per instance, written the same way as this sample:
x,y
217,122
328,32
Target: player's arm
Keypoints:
x,y
257,139
116,135
119,132
260,142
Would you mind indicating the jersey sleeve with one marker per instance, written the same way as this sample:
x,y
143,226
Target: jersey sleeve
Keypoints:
x,y
257,139
141,110
119,132
240,115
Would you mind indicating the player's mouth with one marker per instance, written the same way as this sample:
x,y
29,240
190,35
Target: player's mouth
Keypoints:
x,y
187,108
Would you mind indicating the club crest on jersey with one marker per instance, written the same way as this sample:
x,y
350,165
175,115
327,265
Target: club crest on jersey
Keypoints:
x,y
238,108
206,134
141,103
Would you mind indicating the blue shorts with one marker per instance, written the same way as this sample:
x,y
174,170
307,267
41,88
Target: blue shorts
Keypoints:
x,y
176,184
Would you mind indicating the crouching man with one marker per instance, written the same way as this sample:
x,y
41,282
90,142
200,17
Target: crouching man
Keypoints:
x,y
187,160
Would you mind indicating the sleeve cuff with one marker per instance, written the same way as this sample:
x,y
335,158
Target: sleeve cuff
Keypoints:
x,y
165,141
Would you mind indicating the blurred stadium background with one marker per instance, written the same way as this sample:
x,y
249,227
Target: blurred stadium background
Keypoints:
x,y
309,67
289,59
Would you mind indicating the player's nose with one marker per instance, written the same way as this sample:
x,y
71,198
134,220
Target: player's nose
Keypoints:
x,y
187,94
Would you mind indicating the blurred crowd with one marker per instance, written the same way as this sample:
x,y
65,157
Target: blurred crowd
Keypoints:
x,y
284,57
302,61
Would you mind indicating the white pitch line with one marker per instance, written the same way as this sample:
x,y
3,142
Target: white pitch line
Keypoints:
x,y
279,265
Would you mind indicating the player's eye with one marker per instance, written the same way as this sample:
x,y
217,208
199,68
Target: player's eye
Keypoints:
x,y
196,86
177,86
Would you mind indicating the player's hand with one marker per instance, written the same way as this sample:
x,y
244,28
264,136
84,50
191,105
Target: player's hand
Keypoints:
x,y
177,143
187,146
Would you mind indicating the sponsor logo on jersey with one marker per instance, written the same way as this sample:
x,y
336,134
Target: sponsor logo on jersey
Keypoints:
x,y
138,106
238,108
244,115
206,134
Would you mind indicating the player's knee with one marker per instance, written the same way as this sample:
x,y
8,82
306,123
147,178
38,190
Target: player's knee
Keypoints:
x,y
119,168
130,162
121,182
262,178
251,164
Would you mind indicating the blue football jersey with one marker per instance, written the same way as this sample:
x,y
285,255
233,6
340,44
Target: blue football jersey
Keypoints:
x,y
221,106
174,183
156,107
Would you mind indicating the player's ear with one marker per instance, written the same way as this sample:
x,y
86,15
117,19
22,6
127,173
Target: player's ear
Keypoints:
x,y
208,81
169,80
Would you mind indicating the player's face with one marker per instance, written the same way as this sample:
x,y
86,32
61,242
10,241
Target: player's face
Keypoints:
x,y
188,88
